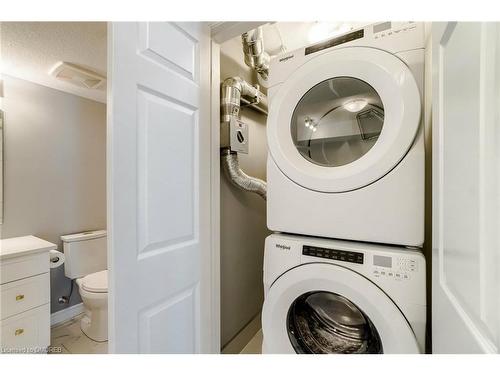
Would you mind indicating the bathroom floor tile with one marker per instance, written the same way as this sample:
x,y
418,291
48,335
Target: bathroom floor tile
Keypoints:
x,y
83,345
67,338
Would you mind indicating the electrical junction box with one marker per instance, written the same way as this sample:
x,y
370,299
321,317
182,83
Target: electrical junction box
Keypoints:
x,y
238,136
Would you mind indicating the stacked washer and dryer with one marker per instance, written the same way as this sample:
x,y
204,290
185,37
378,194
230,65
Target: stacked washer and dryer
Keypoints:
x,y
344,273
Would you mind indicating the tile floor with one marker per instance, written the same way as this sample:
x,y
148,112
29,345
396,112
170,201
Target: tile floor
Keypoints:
x,y
67,338
254,346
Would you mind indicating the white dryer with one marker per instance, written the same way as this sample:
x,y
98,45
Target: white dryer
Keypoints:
x,y
333,296
345,137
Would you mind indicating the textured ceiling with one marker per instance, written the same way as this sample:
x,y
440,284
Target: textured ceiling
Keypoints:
x,y
29,50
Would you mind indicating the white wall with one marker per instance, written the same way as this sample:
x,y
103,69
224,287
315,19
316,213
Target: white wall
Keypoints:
x,y
243,216
54,167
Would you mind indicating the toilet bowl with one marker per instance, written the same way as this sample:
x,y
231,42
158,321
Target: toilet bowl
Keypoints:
x,y
86,262
93,289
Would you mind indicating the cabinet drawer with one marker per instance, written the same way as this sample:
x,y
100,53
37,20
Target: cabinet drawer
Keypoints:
x,y
23,295
26,332
24,266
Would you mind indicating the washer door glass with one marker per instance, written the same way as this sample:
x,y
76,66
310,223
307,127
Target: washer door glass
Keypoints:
x,y
323,322
337,121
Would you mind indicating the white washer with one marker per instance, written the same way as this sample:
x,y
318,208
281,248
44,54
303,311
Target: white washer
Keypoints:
x,y
333,296
345,136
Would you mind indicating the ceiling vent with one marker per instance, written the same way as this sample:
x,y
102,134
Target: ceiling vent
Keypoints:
x,y
77,75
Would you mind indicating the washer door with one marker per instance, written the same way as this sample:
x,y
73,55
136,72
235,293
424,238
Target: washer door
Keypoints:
x,y
344,119
324,308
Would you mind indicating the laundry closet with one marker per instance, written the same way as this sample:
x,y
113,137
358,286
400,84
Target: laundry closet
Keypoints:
x,y
344,162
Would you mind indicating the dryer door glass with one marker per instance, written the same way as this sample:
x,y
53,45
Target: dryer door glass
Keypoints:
x,y
337,121
323,322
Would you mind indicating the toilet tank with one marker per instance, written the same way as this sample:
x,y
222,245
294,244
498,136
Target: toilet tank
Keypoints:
x,y
85,253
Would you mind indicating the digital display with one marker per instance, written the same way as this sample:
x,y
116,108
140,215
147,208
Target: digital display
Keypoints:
x,y
382,261
342,255
335,41
381,27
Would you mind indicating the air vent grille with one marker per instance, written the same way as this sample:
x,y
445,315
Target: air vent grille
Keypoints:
x,y
77,75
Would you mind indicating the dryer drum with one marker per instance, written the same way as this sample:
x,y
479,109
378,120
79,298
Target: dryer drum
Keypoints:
x,y
322,322
337,121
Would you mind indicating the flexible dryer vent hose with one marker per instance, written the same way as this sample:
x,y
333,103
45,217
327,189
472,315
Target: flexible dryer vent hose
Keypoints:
x,y
240,179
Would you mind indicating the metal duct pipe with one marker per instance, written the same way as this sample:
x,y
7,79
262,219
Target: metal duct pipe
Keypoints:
x,y
261,107
231,167
255,55
233,92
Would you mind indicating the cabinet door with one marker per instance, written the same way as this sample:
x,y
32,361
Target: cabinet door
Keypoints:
x,y
28,332
23,295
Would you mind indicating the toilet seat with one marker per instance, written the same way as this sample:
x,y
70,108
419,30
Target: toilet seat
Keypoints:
x,y
96,282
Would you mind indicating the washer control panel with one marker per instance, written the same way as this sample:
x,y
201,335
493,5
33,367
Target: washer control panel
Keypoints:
x,y
334,254
398,268
385,265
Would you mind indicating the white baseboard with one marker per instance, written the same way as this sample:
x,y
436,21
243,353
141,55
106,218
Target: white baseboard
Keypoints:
x,y
66,314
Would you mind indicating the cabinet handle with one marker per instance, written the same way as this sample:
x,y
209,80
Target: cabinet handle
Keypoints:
x,y
19,331
19,297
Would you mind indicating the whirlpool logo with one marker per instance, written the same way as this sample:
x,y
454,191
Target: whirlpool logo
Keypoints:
x,y
283,247
286,58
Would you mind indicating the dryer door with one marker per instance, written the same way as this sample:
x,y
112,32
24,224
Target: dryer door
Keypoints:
x,y
325,308
344,119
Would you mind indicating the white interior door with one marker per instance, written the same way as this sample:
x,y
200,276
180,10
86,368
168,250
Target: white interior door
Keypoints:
x,y
466,188
159,188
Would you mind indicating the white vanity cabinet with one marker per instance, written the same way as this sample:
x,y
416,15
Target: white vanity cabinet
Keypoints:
x,y
24,295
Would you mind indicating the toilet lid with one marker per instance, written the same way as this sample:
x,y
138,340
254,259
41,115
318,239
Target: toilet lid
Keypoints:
x,y
96,282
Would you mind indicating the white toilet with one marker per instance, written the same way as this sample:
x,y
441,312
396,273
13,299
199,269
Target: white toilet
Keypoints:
x,y
86,261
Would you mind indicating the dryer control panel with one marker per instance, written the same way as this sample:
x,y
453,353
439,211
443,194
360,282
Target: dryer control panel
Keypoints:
x,y
388,29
